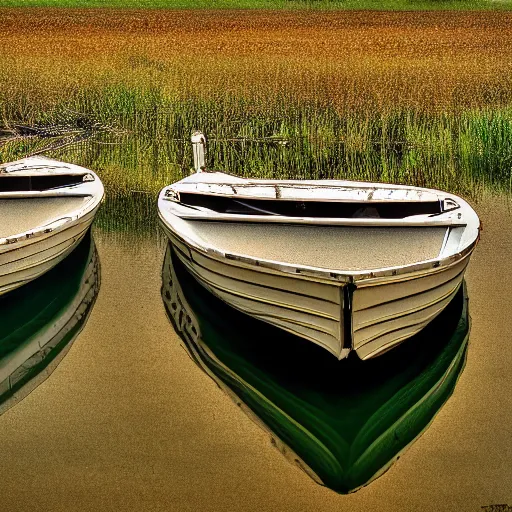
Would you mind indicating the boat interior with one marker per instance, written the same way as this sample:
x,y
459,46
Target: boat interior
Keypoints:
x,y
329,247
38,182
318,209
21,215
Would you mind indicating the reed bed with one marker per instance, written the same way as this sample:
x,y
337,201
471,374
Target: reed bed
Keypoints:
x,y
143,142
417,98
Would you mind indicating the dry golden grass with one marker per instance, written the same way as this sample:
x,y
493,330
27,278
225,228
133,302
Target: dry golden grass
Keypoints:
x,y
425,60
410,97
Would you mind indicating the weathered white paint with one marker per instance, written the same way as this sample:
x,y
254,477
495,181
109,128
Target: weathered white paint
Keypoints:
x,y
28,254
301,294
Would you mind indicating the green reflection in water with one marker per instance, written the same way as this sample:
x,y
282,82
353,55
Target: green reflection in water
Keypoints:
x,y
40,320
133,214
344,422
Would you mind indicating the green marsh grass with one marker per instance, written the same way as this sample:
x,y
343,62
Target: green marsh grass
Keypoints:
x,y
146,145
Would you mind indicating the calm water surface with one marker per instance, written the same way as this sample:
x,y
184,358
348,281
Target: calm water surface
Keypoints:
x,y
127,421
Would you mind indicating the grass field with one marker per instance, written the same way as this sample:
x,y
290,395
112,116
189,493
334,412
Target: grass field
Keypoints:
x,y
421,98
404,5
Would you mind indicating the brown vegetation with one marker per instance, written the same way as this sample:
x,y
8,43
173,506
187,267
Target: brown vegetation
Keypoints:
x,y
349,59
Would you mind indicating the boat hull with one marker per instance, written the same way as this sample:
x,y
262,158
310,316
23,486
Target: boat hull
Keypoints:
x,y
368,317
23,262
385,314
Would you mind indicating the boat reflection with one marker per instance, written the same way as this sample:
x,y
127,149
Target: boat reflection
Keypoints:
x,y
40,320
343,422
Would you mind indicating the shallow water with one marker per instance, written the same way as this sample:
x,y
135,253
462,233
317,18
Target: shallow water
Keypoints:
x,y
128,422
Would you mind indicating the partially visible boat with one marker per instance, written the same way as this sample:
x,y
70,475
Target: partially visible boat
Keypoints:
x,y
344,425
350,266
40,321
46,208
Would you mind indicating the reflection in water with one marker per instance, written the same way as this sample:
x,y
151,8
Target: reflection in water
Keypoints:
x,y
40,321
344,423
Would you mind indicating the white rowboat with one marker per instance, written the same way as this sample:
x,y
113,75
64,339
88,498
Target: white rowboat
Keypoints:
x,y
347,265
46,208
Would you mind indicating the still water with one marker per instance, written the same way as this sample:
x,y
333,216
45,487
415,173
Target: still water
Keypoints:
x,y
109,412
